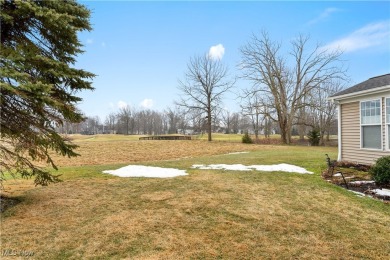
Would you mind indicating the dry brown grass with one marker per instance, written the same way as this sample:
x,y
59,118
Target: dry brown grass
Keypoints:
x,y
206,215
108,152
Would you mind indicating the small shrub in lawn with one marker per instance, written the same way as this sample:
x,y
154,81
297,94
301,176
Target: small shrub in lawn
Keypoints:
x,y
380,172
246,139
314,137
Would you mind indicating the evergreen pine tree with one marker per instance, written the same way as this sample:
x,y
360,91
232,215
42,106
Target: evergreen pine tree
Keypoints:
x,y
39,83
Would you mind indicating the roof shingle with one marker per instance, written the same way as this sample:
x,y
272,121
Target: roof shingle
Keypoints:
x,y
374,82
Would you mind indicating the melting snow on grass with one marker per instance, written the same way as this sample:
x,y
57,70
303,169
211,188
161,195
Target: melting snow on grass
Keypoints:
x,y
283,167
146,171
236,153
382,192
377,192
362,182
157,172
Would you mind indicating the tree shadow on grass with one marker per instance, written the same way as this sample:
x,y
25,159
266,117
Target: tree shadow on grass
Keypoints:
x,y
7,202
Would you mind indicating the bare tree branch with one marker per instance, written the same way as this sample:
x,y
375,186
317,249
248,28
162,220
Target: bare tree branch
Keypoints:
x,y
288,86
204,84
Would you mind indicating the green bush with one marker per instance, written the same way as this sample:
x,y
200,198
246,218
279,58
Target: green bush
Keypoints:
x,y
314,137
380,172
246,139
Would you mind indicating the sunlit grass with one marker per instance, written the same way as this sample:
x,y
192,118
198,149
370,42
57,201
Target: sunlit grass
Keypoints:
x,y
205,215
221,137
105,152
102,138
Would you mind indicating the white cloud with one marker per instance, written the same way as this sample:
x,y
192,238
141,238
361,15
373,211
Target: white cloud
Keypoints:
x,y
147,103
371,35
89,41
325,14
216,52
122,104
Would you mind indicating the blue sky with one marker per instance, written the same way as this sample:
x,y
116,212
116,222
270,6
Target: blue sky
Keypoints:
x,y
139,50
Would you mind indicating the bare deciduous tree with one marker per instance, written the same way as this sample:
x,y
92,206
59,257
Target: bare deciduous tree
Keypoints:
x,y
226,119
110,122
322,113
125,119
287,82
254,108
235,123
204,84
174,117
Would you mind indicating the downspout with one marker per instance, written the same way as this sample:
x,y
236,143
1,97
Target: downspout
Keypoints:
x,y
339,158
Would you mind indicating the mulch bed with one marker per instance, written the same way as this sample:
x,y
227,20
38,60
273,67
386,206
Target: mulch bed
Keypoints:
x,y
357,179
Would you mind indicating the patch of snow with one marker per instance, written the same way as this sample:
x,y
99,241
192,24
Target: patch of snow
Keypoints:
x,y
362,182
231,167
382,192
237,153
146,171
360,194
338,174
379,192
283,167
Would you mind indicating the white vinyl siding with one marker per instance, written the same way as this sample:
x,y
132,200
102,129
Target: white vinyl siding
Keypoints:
x,y
370,122
350,129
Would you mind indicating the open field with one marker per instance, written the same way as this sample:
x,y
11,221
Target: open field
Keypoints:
x,y
222,137
205,215
114,149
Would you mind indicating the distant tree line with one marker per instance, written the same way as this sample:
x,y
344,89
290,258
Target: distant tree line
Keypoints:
x,y
288,96
131,121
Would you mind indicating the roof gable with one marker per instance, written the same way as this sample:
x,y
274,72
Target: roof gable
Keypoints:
x,y
372,83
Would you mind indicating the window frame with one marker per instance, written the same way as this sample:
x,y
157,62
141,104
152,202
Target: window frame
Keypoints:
x,y
380,124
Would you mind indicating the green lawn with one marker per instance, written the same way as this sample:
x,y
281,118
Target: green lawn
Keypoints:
x,y
206,215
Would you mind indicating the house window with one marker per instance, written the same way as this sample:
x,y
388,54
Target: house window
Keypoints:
x,y
370,112
388,121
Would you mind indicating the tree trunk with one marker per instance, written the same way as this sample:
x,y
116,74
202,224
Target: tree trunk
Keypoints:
x,y
322,135
285,132
283,136
301,130
257,127
127,127
209,125
267,128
